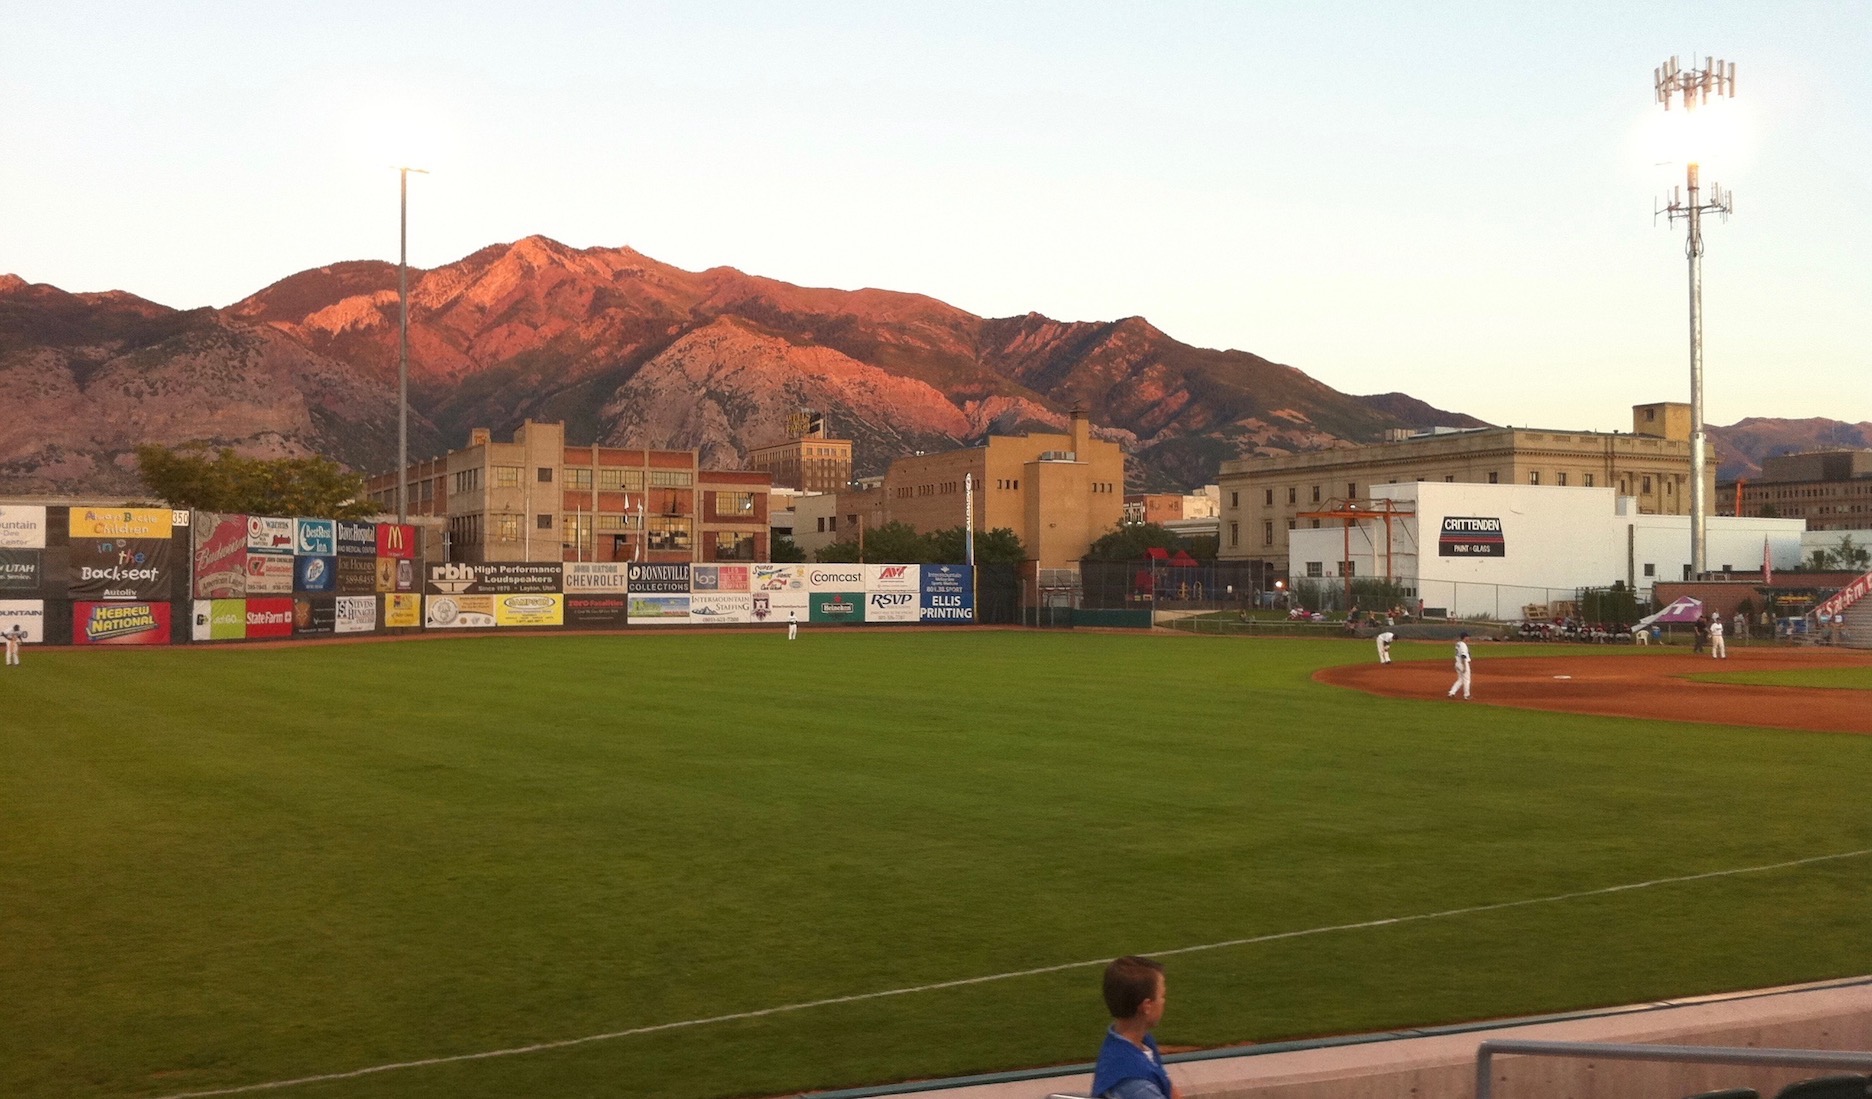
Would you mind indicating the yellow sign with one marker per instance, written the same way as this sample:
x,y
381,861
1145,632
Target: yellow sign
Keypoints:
x,y
402,610
529,610
121,522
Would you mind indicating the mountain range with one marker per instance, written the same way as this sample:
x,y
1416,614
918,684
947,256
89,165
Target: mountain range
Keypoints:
x,y
630,351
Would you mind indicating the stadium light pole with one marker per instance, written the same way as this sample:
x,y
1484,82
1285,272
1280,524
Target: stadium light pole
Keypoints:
x,y
402,495
1693,87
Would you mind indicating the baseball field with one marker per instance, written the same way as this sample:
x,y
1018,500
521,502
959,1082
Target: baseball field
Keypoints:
x,y
725,865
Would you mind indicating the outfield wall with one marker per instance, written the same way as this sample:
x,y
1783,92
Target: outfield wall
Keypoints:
x,y
155,576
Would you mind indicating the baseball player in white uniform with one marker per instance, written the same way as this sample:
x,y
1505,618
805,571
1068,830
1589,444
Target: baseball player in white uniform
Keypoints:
x,y
792,625
1462,668
13,635
1717,649
1384,646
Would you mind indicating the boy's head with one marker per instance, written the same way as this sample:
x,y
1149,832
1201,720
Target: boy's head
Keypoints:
x,y
1134,986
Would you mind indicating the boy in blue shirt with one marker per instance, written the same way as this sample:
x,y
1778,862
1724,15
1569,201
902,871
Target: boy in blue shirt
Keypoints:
x,y
1129,1066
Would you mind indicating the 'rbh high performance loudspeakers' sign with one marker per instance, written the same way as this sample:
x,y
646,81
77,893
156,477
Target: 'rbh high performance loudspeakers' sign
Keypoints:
x,y
519,578
1471,536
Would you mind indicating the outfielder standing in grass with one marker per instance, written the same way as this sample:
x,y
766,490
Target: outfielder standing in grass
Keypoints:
x,y
792,625
1129,1066
1462,668
14,635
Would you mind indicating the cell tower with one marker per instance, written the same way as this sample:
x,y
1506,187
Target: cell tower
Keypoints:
x,y
1693,87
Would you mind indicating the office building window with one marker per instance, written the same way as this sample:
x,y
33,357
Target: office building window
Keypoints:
x,y
1345,568
1647,485
1533,477
1293,495
730,505
1589,480
670,478
733,546
506,476
1234,535
666,533
1316,496
1270,498
507,527
1494,478
1650,569
578,477
1267,533
1234,499
545,475
543,522
1316,568
1351,490
1449,478
627,479
1560,479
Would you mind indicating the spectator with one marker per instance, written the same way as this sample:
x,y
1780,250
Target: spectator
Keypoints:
x,y
1129,1065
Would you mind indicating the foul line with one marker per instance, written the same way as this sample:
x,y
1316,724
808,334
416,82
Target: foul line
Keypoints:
x,y
758,1013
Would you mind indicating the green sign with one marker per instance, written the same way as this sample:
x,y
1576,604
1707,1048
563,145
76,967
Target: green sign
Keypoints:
x,y
837,606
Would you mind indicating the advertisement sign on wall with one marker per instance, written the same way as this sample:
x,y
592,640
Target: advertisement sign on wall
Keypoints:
x,y
269,574
659,610
356,539
220,556
595,578
892,606
21,570
221,619
22,526
314,616
835,578
595,611
837,607
518,578
783,585
727,607
355,613
315,537
948,594
718,578
396,574
27,614
893,578
396,540
457,612
652,579
269,534
120,623
120,523
529,610
402,610
357,575
314,574
132,568
269,618
1471,536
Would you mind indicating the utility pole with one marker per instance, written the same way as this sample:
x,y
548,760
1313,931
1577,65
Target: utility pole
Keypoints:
x,y
402,431
1693,87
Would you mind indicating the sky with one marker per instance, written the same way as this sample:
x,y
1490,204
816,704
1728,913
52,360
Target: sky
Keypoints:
x,y
1454,200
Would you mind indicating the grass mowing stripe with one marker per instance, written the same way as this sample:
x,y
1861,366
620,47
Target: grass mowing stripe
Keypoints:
x,y
757,1013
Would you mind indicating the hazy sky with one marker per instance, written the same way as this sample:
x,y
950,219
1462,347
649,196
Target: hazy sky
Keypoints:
x,y
1453,200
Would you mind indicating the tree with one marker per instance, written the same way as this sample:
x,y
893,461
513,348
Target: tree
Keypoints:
x,y
785,551
191,477
998,546
1849,555
1129,541
839,553
896,543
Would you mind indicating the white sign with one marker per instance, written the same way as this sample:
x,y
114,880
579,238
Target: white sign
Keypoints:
x,y
27,614
456,612
893,578
721,607
266,534
594,578
891,606
835,578
22,527
355,614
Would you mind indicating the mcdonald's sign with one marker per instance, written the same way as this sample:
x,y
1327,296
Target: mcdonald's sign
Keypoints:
x,y
396,540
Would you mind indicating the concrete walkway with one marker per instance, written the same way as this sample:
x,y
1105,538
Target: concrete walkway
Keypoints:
x,y
1833,1015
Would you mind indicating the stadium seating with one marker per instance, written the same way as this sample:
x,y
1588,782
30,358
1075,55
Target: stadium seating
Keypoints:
x,y
1851,1086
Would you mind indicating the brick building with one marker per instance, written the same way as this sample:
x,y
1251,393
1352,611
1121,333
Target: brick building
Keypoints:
x,y
1831,489
537,499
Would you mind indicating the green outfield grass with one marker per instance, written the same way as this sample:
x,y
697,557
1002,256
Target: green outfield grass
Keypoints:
x,y
227,867
1854,678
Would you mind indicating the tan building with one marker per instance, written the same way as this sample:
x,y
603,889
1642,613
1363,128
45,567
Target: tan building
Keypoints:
x,y
809,464
537,499
1263,498
1057,492
1830,489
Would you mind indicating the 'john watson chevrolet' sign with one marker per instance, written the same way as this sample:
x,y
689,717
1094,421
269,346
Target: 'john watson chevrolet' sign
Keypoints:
x,y
1471,536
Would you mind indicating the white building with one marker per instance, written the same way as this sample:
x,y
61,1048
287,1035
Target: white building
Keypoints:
x,y
1477,549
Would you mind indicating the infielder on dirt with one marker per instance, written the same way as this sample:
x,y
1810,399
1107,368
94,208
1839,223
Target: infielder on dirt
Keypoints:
x,y
1462,668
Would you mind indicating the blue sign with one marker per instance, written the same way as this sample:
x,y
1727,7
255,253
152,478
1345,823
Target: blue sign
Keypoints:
x,y
948,594
314,574
315,537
